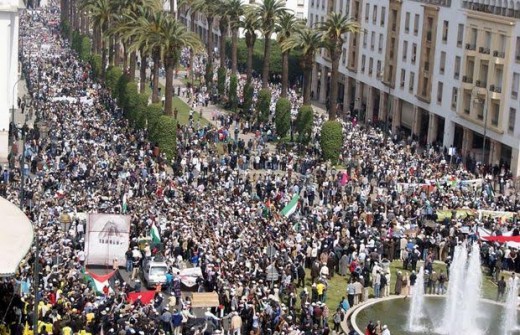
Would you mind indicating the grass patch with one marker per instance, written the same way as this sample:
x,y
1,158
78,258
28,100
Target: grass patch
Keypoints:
x,y
184,112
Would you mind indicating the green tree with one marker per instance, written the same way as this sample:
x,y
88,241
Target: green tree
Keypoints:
x,y
282,118
286,26
247,97
166,136
221,81
151,118
112,77
233,93
235,11
268,12
309,41
263,105
303,123
333,31
331,140
95,65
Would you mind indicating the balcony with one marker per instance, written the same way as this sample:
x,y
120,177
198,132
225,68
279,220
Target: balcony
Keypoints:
x,y
481,84
495,10
495,92
467,80
484,51
499,57
429,37
471,47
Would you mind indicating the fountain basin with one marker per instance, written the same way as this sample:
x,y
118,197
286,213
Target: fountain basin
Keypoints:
x,y
394,311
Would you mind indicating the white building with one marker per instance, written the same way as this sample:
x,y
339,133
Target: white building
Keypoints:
x,y
446,71
9,22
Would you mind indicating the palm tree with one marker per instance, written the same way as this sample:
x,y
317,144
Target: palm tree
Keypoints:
x,y
223,27
309,41
235,11
333,34
268,12
101,14
173,37
209,8
287,24
250,25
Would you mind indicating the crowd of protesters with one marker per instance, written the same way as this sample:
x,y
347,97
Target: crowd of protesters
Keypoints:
x,y
221,212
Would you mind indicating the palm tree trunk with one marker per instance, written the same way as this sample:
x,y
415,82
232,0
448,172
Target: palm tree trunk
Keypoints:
x,y
333,102
172,9
168,90
192,21
142,72
210,48
103,56
125,61
222,49
155,80
234,47
117,53
192,70
250,50
267,60
110,50
307,81
285,74
133,61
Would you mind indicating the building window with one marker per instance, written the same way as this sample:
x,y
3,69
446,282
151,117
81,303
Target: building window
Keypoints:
x,y
372,40
340,6
407,23
367,12
374,15
414,52
311,19
312,3
416,25
512,120
380,44
495,115
440,86
299,15
514,85
411,81
460,35
456,73
394,20
363,62
445,26
344,56
403,77
365,39
405,50
442,62
378,69
454,96
517,50
370,66
383,13
300,3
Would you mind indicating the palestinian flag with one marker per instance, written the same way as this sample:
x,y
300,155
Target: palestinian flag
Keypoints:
x,y
156,236
98,282
291,206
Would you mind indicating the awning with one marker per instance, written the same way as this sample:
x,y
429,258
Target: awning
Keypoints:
x,y
16,237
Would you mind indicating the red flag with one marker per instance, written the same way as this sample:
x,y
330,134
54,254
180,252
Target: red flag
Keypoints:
x,y
145,296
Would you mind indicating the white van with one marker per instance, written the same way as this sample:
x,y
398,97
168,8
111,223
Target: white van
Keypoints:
x,y
154,272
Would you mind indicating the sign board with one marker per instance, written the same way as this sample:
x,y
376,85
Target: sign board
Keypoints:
x,y
107,238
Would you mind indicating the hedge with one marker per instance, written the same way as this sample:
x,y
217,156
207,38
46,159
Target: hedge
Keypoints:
x,y
221,81
96,65
247,96
233,93
331,140
295,69
166,136
112,78
263,105
303,123
85,49
140,114
152,115
282,117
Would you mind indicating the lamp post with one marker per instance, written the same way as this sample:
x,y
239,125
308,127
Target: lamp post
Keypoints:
x,y
483,101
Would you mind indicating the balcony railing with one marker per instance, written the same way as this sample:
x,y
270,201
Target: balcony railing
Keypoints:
x,y
499,54
484,51
481,84
490,9
472,47
444,3
468,80
495,88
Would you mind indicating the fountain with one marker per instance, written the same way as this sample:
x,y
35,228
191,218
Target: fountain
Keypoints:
x,y
510,316
417,304
461,311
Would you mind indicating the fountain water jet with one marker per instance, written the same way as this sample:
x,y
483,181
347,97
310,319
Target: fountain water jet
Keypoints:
x,y
510,316
417,304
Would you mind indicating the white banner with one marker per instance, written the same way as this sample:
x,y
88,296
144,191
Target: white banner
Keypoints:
x,y
107,239
188,276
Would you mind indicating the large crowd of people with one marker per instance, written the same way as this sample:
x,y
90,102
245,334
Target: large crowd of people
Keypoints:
x,y
221,211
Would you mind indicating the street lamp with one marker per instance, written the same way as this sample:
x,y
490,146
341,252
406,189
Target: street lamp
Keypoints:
x,y
482,100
